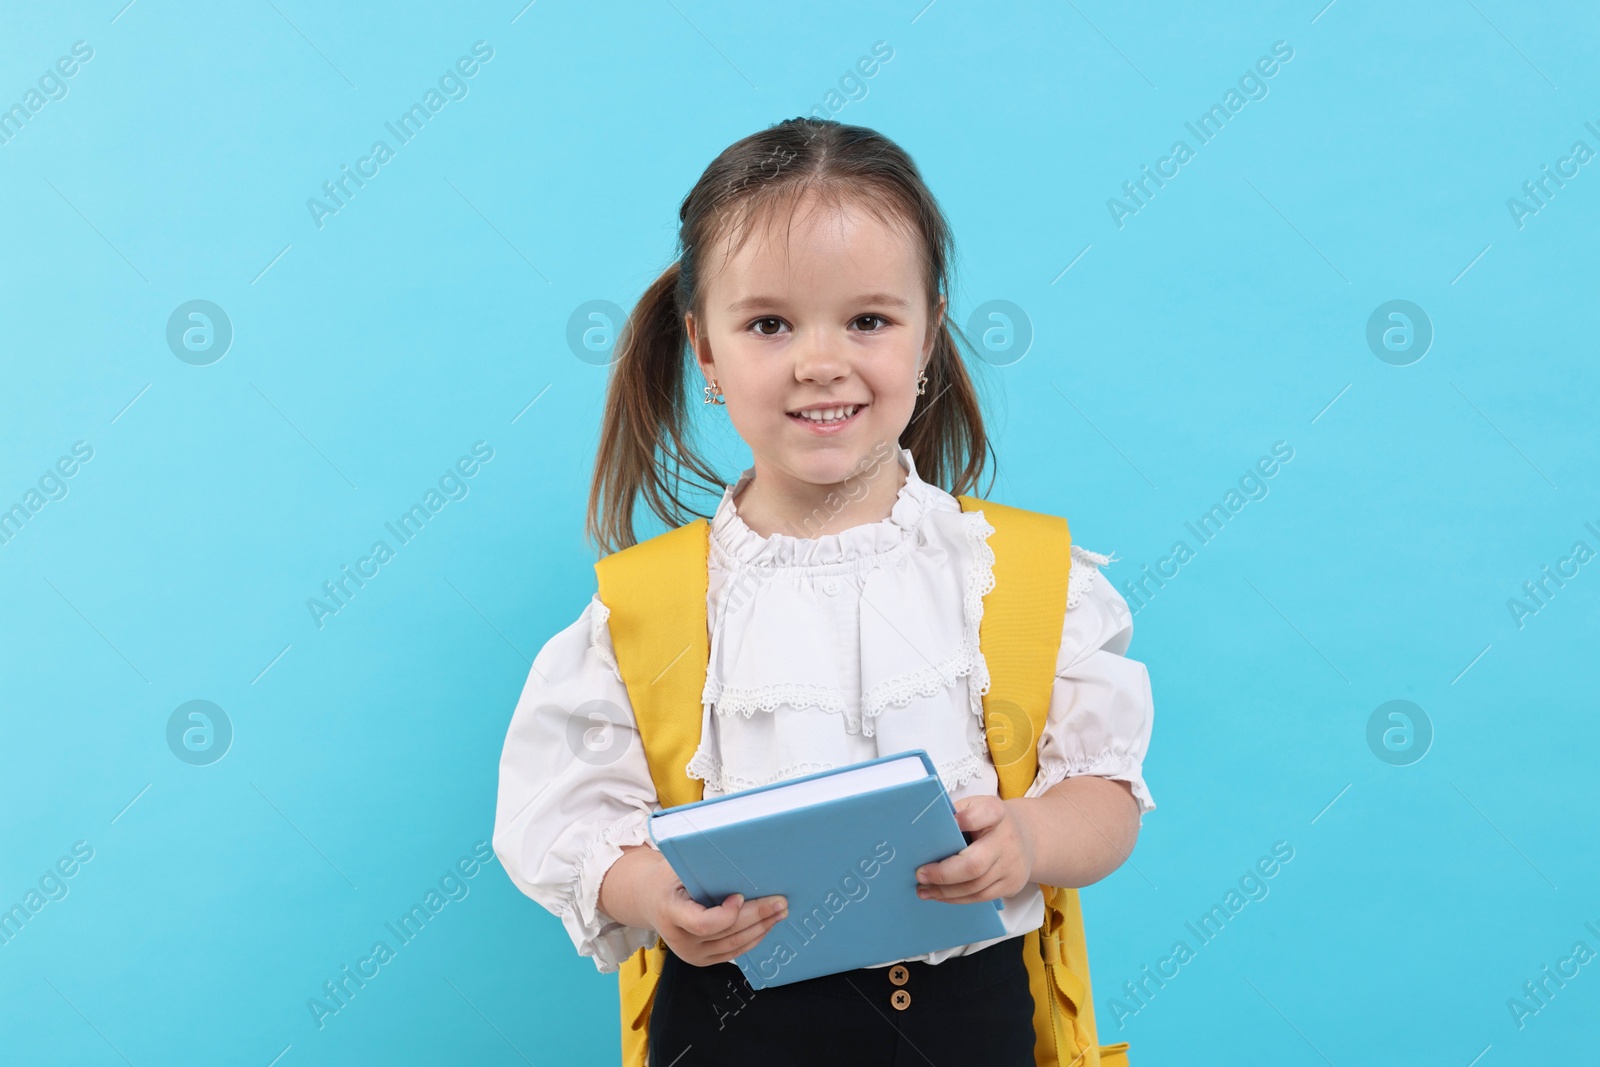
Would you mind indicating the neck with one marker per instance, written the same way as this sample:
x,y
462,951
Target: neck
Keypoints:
x,y
775,501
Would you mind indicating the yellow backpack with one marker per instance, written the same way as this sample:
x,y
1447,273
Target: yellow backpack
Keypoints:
x,y
656,591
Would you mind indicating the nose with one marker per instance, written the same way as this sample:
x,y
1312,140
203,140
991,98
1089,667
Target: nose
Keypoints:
x,y
820,358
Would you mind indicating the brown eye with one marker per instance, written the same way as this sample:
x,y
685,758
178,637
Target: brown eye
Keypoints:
x,y
875,318
756,325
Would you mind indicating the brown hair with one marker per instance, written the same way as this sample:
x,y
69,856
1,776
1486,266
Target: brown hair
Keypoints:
x,y
644,444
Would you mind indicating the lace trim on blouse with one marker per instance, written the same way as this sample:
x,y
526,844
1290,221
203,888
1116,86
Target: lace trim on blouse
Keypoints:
x,y
631,829
1112,761
600,635
747,700
1085,569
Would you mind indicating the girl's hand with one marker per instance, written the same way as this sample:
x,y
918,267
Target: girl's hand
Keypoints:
x,y
998,863
703,936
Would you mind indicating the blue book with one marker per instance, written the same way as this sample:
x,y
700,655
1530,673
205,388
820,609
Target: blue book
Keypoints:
x,y
843,846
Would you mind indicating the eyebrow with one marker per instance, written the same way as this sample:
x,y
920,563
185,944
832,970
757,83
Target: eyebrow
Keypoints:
x,y
750,303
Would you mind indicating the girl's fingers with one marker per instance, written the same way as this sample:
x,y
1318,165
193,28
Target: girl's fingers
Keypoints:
x,y
758,911
752,915
725,948
953,889
730,918
970,863
702,922
728,946
979,812
963,892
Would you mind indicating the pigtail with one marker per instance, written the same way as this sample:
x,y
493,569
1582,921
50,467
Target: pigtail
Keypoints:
x,y
945,436
645,422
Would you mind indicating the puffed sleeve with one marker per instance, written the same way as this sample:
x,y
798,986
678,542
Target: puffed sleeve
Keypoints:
x,y
575,787
1100,705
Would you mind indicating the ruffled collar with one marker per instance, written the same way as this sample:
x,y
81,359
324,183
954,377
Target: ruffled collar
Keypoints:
x,y
915,499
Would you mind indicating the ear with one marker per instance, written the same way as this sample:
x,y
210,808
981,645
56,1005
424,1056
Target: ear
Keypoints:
x,y
699,345
935,323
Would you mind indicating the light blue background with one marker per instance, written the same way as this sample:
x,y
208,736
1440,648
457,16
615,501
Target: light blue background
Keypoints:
x,y
428,314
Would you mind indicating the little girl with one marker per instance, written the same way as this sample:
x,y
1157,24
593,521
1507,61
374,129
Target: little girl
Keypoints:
x,y
845,588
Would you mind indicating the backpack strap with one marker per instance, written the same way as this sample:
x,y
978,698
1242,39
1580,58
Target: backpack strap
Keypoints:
x,y
1020,635
656,592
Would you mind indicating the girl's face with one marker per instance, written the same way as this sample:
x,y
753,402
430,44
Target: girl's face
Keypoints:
x,y
832,320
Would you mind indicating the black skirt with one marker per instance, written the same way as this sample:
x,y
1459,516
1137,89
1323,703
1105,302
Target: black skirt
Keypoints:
x,y
972,1009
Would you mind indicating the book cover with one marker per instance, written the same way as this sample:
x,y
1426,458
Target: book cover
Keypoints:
x,y
848,869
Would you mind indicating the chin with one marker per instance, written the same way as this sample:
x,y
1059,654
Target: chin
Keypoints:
x,y
831,463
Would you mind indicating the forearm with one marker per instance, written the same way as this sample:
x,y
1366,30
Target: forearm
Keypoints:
x,y
1082,829
625,889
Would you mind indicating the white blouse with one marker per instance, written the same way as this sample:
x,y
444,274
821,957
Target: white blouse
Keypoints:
x,y
824,651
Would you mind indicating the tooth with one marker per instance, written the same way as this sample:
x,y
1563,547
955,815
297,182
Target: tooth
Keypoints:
x,y
829,414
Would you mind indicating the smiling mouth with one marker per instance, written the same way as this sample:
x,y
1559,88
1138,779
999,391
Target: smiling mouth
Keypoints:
x,y
827,416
